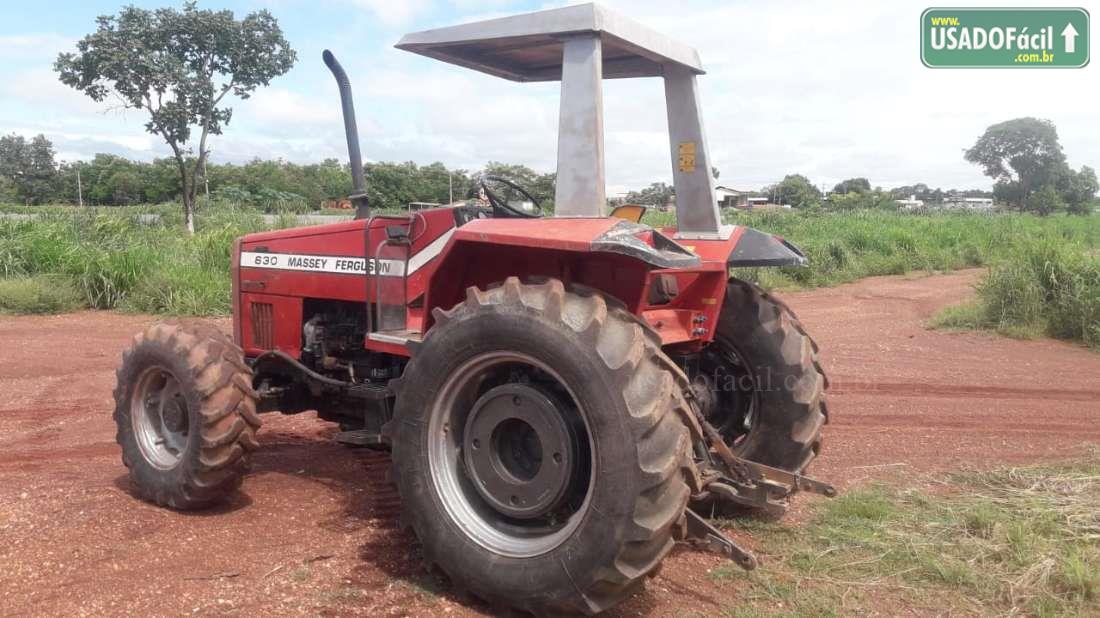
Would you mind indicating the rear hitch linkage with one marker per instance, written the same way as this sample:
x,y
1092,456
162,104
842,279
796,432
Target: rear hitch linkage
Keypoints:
x,y
745,483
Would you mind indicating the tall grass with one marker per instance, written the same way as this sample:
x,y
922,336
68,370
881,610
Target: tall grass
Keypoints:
x,y
844,247
1048,286
117,260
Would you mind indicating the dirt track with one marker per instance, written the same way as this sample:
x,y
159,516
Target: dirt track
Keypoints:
x,y
314,531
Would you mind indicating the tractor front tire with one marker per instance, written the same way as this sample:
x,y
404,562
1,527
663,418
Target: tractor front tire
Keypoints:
x,y
186,415
552,380
786,373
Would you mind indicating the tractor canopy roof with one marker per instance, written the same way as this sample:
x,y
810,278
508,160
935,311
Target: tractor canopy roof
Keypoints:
x,y
528,48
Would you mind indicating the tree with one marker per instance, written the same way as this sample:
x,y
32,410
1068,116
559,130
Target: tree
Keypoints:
x,y
796,190
29,167
1078,189
541,186
1021,155
1044,201
853,185
178,66
656,194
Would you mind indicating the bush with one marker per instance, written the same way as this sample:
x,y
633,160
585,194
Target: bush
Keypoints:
x,y
1049,286
40,294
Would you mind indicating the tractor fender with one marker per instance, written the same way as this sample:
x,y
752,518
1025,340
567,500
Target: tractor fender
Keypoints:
x,y
755,248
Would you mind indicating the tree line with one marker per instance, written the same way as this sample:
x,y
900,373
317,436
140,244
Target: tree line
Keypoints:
x,y
30,175
1023,157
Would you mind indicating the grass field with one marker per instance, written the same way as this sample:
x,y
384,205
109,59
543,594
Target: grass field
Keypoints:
x,y
1018,541
1046,288
115,261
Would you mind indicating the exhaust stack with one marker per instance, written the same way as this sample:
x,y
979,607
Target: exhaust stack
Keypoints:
x,y
359,197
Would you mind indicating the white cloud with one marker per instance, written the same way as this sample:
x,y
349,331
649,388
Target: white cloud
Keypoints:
x,y
23,46
395,12
276,106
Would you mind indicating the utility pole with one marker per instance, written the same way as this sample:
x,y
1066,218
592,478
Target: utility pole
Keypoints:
x,y
79,189
450,187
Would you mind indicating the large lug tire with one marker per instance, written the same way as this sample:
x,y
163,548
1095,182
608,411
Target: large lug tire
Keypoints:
x,y
186,415
786,376
625,394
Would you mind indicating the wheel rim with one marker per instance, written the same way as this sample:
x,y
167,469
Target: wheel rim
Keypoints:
x,y
511,454
727,386
160,419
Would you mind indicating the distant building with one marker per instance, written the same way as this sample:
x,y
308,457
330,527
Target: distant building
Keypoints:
x,y
731,198
968,203
910,204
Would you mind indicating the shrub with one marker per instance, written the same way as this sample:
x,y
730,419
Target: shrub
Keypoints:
x,y
1048,286
39,294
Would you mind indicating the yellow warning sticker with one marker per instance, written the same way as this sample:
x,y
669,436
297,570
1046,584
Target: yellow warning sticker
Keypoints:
x,y
687,156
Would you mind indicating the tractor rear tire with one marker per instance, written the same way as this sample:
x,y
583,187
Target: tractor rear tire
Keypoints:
x,y
186,415
788,379
623,397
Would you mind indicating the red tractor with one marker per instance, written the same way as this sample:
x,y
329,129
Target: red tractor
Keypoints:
x,y
564,397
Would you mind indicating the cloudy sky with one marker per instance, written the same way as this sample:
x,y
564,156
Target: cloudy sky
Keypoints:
x,y
828,89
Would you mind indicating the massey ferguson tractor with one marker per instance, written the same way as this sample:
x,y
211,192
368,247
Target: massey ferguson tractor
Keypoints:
x,y
564,396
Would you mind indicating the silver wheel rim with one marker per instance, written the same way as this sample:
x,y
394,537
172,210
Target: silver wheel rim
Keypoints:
x,y
462,502
159,416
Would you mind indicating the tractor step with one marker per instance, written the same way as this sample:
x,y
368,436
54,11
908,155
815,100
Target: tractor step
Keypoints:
x,y
399,337
362,437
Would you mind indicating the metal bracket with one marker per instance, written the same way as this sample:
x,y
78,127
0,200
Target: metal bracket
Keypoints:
x,y
750,483
701,533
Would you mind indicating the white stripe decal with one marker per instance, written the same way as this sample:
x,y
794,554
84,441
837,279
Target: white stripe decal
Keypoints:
x,y
433,249
344,265
322,263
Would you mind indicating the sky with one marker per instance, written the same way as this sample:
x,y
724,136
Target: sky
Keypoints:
x,y
829,89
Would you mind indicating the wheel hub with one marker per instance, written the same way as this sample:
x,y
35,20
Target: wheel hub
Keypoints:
x,y
175,416
158,412
519,451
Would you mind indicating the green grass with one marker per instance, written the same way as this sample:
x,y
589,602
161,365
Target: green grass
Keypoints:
x,y
116,261
1011,541
1046,287
38,294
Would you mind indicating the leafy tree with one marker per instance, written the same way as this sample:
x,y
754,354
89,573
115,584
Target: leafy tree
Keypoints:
x,y
178,66
656,194
1078,189
541,186
1044,201
853,185
879,200
8,191
29,167
1021,155
796,190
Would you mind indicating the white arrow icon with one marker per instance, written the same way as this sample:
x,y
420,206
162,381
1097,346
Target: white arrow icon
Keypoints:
x,y
1070,37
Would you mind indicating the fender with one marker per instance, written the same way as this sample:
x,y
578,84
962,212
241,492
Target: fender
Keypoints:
x,y
755,248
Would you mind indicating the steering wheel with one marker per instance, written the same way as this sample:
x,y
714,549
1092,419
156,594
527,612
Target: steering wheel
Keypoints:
x,y
501,205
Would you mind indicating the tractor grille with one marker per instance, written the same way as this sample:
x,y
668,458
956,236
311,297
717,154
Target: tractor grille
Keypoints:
x,y
263,326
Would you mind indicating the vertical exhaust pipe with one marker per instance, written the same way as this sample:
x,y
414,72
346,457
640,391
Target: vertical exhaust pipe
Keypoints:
x,y
359,197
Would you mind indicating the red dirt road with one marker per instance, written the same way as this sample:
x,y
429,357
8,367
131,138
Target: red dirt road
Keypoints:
x,y
314,529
